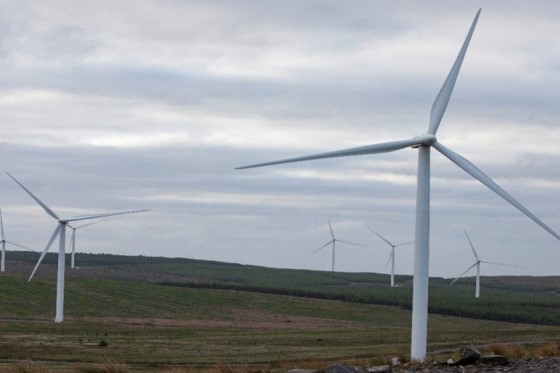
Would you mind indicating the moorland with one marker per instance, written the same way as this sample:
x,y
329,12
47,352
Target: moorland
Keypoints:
x,y
176,314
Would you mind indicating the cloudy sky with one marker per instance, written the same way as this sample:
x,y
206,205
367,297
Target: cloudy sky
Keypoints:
x,y
108,106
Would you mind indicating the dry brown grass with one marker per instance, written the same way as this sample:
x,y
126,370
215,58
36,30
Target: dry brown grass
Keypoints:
x,y
513,351
550,349
520,351
28,368
107,367
228,368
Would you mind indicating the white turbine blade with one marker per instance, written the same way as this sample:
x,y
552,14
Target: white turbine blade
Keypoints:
x,y
349,243
472,247
53,237
330,227
361,150
389,259
383,238
72,238
1,225
442,99
484,179
21,246
461,275
88,224
41,203
322,247
500,264
87,217
404,244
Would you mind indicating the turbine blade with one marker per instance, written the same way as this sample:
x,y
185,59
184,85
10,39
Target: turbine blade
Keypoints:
x,y
21,246
361,150
442,99
500,264
87,217
330,227
461,275
484,179
404,244
53,237
72,238
349,243
1,226
389,259
322,247
41,203
383,238
88,224
472,247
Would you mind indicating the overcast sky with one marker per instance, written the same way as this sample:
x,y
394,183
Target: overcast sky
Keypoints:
x,y
108,106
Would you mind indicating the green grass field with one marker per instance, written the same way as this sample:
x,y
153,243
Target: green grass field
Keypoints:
x,y
190,326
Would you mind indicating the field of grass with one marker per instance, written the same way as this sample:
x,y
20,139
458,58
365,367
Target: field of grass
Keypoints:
x,y
152,327
515,299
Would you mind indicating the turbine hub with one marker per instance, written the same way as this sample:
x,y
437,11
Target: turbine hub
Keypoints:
x,y
426,140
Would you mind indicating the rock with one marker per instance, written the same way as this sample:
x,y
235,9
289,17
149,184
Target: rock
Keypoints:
x,y
469,351
305,371
469,356
339,368
380,369
494,360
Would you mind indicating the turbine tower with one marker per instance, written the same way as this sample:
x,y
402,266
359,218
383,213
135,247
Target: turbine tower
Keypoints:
x,y
72,244
392,255
477,265
422,230
4,242
60,230
333,242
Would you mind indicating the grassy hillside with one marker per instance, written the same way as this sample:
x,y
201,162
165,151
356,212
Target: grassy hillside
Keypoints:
x,y
515,299
151,326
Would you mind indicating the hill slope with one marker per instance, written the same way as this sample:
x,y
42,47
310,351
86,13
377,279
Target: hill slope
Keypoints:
x,y
515,299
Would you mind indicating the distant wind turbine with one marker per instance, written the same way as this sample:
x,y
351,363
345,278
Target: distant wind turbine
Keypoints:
x,y
333,242
392,255
72,244
477,265
61,231
4,242
422,232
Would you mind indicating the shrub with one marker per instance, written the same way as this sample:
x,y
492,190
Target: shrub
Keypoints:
x,y
103,343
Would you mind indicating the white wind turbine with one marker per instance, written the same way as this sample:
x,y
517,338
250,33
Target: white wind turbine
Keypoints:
x,y
333,242
392,255
4,242
422,231
61,231
72,244
477,265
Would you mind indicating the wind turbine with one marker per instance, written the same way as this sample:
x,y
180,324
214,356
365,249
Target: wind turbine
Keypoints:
x,y
333,242
61,231
72,243
4,242
477,265
392,255
422,230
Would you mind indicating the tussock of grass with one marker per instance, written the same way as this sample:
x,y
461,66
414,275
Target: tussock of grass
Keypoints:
x,y
520,351
28,368
547,350
107,367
